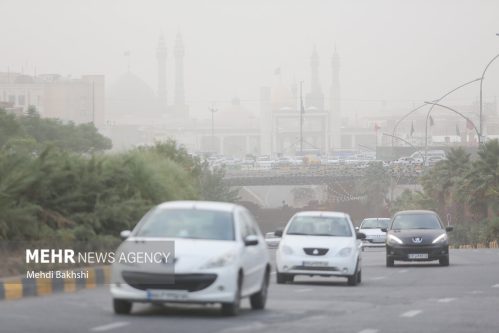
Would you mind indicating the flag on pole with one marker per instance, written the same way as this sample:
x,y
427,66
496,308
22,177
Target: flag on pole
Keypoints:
x,y
376,127
431,121
412,128
458,132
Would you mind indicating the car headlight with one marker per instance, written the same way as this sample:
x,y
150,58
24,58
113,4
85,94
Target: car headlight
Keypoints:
x,y
286,249
345,252
440,239
220,261
392,239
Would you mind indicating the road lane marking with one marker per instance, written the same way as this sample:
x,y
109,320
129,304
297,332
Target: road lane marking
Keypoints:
x,y
476,292
377,278
303,290
369,330
403,271
446,300
109,327
410,314
495,286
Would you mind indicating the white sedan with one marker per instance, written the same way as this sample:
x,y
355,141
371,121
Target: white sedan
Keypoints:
x,y
319,243
220,256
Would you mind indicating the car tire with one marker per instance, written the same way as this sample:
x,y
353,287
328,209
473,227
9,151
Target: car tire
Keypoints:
x,y
390,262
232,309
352,279
282,278
359,276
122,307
444,261
259,299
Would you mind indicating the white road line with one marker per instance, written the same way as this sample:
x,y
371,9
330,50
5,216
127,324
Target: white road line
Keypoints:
x,y
303,290
475,292
369,330
446,300
403,271
495,286
377,278
109,327
410,314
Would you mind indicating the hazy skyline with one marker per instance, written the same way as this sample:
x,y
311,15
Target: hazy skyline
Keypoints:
x,y
393,53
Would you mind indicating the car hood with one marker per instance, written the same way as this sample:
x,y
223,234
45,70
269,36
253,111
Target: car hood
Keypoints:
x,y
335,244
191,254
427,235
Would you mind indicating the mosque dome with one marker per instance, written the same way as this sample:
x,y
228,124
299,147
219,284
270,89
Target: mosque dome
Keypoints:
x,y
130,95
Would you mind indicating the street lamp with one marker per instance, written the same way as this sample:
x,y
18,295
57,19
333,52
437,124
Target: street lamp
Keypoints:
x,y
459,113
431,108
213,110
399,138
481,96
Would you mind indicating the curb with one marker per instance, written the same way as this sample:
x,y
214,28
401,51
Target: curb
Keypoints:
x,y
20,287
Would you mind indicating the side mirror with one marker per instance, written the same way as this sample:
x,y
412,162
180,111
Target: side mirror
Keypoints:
x,y
125,234
449,228
278,233
251,240
384,229
361,235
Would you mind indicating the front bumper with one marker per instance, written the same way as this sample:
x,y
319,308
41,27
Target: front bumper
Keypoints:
x,y
213,286
379,242
309,265
402,252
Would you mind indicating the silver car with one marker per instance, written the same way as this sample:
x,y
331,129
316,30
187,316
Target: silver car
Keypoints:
x,y
371,227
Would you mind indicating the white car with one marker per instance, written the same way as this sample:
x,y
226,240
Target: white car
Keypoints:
x,y
372,228
319,243
220,256
272,240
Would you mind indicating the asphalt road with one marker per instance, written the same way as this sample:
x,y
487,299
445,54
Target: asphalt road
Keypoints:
x,y
407,298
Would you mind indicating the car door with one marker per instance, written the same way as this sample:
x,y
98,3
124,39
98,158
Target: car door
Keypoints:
x,y
250,255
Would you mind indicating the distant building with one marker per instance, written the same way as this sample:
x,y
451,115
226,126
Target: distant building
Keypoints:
x,y
78,100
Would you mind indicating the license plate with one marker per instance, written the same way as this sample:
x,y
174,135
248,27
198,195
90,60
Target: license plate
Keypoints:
x,y
168,295
418,256
315,263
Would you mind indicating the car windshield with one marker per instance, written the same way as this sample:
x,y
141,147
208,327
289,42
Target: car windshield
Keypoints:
x,y
416,221
188,223
375,223
320,226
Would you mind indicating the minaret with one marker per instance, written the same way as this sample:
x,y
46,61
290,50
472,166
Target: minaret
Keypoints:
x,y
334,104
161,57
179,101
315,98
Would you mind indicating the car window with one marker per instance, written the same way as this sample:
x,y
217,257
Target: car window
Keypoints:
x,y
375,223
188,223
247,225
320,226
416,221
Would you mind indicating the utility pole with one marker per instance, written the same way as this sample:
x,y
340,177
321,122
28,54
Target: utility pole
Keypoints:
x,y
301,118
213,110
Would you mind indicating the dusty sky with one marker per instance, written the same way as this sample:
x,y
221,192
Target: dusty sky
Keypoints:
x,y
394,53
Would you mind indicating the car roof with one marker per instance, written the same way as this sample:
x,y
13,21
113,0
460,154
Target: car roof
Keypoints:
x,y
420,211
193,204
321,213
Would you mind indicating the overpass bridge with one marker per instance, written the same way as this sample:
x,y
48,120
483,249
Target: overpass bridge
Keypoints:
x,y
318,175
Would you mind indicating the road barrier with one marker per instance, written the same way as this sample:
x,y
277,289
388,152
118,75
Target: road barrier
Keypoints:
x,y
490,245
19,287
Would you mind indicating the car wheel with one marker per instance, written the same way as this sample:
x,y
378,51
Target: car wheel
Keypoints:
x,y
444,261
259,299
359,277
353,279
282,278
389,262
121,306
232,309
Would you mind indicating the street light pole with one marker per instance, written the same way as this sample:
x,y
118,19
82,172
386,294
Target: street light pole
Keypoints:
x,y
399,138
431,108
213,110
481,96
301,118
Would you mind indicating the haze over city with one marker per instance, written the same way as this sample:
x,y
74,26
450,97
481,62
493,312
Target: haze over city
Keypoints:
x,y
393,54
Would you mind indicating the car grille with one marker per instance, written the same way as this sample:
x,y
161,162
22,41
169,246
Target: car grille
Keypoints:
x,y
318,251
311,268
189,282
